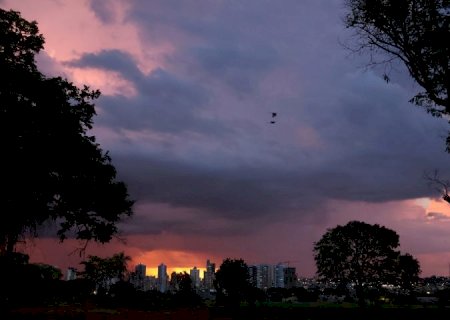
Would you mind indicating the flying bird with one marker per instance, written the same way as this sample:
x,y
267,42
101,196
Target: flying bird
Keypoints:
x,y
274,114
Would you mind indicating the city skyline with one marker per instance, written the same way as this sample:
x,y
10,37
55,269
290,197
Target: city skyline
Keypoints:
x,y
189,93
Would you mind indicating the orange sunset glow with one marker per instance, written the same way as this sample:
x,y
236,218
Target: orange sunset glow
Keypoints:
x,y
154,271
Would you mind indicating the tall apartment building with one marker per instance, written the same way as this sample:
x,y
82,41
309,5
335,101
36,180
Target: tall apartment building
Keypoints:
x,y
162,278
279,275
139,277
209,275
195,277
253,274
265,277
140,270
290,277
71,273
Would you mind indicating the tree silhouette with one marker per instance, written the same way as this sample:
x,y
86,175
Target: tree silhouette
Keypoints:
x,y
101,272
51,167
409,270
184,282
363,255
232,282
416,32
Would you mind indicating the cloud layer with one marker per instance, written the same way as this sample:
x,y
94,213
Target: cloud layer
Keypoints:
x,y
186,110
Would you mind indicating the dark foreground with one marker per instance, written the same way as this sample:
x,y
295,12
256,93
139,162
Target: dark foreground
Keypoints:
x,y
209,313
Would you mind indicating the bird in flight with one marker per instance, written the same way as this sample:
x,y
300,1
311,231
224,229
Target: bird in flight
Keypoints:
x,y
274,114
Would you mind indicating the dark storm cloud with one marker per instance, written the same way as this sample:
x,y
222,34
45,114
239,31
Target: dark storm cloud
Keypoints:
x,y
230,42
103,10
210,174
239,68
371,160
237,193
112,60
340,133
379,146
165,101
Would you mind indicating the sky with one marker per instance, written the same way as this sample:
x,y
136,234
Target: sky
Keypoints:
x,y
188,90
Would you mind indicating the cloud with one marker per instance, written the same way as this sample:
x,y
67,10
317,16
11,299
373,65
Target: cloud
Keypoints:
x,y
239,68
237,194
240,171
165,101
193,139
103,10
437,216
111,60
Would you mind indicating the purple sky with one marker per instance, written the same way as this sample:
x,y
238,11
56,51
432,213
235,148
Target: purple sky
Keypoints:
x,y
188,91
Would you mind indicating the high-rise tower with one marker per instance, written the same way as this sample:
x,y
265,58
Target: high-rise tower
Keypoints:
x,y
162,277
139,276
209,275
195,277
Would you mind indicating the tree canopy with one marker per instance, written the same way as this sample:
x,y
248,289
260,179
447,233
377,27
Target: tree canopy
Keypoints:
x,y
101,271
51,167
232,281
364,255
417,33
181,282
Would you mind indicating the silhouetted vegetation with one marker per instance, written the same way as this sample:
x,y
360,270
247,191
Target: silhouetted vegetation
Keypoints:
x,y
103,272
24,283
52,168
77,299
364,256
232,282
415,32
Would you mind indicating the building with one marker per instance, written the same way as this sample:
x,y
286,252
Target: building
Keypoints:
x,y
290,277
140,270
162,278
174,283
279,275
139,277
150,283
71,273
195,277
253,274
209,275
265,277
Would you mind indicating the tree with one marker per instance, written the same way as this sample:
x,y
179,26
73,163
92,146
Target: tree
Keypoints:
x,y
23,283
416,32
51,167
49,272
184,293
232,281
362,254
409,270
102,271
181,282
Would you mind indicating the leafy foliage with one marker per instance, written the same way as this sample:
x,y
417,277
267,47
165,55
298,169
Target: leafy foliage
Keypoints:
x,y
27,284
409,270
181,282
364,255
52,168
414,31
101,271
232,281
